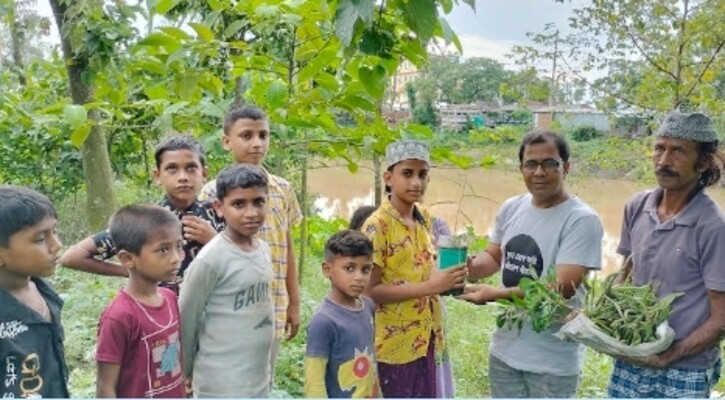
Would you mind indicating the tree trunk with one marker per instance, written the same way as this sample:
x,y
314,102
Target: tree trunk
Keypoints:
x,y
100,197
239,91
17,36
377,166
304,194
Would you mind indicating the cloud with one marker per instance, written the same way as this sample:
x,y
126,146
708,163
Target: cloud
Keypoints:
x,y
478,46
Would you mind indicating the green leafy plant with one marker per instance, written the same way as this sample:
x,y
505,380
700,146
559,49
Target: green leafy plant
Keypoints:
x,y
584,133
626,312
542,304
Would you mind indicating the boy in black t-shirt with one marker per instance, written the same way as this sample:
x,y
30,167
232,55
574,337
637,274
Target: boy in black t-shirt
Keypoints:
x,y
31,336
181,171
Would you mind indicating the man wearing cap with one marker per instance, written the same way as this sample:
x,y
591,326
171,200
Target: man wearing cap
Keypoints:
x,y
548,231
676,237
404,283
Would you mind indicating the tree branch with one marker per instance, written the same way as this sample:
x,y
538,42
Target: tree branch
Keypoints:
x,y
698,81
680,51
645,55
606,91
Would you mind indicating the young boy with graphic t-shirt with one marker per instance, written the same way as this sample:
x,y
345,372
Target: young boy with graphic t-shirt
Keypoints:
x,y
340,360
31,336
138,350
227,317
181,171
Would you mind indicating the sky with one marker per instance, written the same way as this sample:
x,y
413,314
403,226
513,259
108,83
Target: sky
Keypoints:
x,y
498,25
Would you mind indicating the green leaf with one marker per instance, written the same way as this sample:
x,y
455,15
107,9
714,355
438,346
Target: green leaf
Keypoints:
x,y
373,80
175,32
203,31
80,134
164,122
188,84
211,83
75,115
413,51
471,3
359,102
156,92
421,130
159,39
299,123
352,167
54,109
449,36
421,16
317,64
216,5
235,27
164,6
152,65
277,94
347,16
447,5
172,109
327,81
267,10
212,110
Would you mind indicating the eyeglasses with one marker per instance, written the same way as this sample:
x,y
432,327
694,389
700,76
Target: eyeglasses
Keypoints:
x,y
548,165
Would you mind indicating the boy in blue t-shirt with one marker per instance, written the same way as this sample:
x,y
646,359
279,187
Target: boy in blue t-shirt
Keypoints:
x,y
340,359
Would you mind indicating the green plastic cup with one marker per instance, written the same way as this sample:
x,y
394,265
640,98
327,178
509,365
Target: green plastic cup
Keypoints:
x,y
451,257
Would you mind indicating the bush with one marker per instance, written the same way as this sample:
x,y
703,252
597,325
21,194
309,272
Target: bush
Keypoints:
x,y
584,133
500,134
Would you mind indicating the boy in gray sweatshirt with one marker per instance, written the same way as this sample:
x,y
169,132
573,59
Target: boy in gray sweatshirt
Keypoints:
x,y
227,317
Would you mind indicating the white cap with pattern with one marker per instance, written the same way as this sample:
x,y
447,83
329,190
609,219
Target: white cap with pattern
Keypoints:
x,y
406,150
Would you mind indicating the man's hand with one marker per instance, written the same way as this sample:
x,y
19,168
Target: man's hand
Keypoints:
x,y
479,294
197,229
293,320
658,361
450,278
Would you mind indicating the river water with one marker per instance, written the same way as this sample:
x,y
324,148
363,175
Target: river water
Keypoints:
x,y
473,197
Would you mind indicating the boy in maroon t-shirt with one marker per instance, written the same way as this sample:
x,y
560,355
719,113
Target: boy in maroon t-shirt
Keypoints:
x,y
139,349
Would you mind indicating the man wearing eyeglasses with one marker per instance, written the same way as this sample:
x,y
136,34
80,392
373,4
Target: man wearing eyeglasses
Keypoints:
x,y
676,237
547,231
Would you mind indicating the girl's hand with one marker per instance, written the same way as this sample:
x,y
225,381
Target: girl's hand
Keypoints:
x,y
450,278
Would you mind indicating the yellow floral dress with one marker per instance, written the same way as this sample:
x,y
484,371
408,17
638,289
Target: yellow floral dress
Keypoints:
x,y
404,255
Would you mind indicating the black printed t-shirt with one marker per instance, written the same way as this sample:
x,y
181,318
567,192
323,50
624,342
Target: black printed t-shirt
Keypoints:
x,y
201,209
32,359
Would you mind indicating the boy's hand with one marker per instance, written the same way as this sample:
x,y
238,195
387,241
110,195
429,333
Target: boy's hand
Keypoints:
x,y
293,320
197,229
447,279
188,387
478,294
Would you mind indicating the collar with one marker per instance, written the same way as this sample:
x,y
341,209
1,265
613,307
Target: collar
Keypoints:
x,y
13,307
688,216
388,207
196,207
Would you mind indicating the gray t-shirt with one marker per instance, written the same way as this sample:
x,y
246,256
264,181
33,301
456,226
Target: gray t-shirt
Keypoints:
x,y
227,320
568,233
685,254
